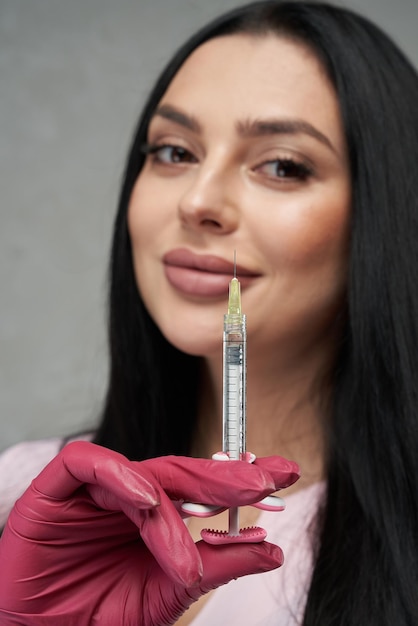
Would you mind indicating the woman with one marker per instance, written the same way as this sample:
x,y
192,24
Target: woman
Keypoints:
x,y
286,131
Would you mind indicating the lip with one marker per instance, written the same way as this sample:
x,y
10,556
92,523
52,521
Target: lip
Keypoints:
x,y
202,275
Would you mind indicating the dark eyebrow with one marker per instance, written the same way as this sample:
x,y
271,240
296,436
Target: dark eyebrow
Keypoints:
x,y
168,112
256,128
259,128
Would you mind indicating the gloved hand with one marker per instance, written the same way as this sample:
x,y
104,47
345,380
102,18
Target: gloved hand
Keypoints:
x,y
98,540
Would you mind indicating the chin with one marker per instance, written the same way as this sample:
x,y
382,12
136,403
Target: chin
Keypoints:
x,y
198,348
194,345
195,334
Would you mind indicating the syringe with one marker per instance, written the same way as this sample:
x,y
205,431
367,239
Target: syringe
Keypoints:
x,y
234,417
234,420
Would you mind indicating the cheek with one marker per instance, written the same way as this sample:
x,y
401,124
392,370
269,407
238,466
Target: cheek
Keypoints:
x,y
142,234
142,217
135,216
308,256
308,237
142,231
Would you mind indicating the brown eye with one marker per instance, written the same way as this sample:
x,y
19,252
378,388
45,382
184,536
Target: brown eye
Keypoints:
x,y
285,169
170,154
175,154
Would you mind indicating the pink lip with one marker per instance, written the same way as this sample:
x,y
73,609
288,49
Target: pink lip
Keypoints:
x,y
202,275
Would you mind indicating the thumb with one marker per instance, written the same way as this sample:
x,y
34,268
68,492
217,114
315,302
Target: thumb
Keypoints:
x,y
226,562
221,564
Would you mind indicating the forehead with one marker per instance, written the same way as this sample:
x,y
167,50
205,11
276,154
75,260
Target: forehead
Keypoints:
x,y
250,76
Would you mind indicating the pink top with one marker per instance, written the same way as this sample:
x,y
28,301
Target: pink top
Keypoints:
x,y
19,464
272,599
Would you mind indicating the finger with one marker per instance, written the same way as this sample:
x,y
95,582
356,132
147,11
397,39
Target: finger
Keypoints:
x,y
233,483
224,563
83,462
167,537
283,472
163,531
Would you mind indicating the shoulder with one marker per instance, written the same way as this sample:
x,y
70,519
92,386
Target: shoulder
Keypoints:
x,y
19,464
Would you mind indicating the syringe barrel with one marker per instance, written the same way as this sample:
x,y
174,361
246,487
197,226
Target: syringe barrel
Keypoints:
x,y
234,382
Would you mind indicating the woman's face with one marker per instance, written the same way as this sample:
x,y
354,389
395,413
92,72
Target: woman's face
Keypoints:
x,y
246,154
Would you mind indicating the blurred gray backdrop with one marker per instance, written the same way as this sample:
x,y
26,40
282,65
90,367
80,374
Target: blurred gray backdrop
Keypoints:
x,y
73,77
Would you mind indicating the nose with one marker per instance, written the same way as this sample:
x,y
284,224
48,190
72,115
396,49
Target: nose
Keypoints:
x,y
208,204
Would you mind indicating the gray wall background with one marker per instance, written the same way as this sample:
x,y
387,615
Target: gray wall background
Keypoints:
x,y
73,76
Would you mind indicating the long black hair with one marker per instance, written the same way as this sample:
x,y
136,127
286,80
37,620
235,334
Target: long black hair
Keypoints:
x,y
366,571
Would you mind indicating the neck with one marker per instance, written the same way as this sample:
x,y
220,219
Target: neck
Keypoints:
x,y
287,407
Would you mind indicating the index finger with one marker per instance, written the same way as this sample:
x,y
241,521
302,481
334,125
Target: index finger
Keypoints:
x,y
82,462
230,483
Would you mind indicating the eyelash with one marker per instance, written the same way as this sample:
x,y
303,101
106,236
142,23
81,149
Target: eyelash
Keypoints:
x,y
292,169
298,169
154,149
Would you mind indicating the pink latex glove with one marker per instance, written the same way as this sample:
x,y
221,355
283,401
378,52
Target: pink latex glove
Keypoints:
x,y
97,540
